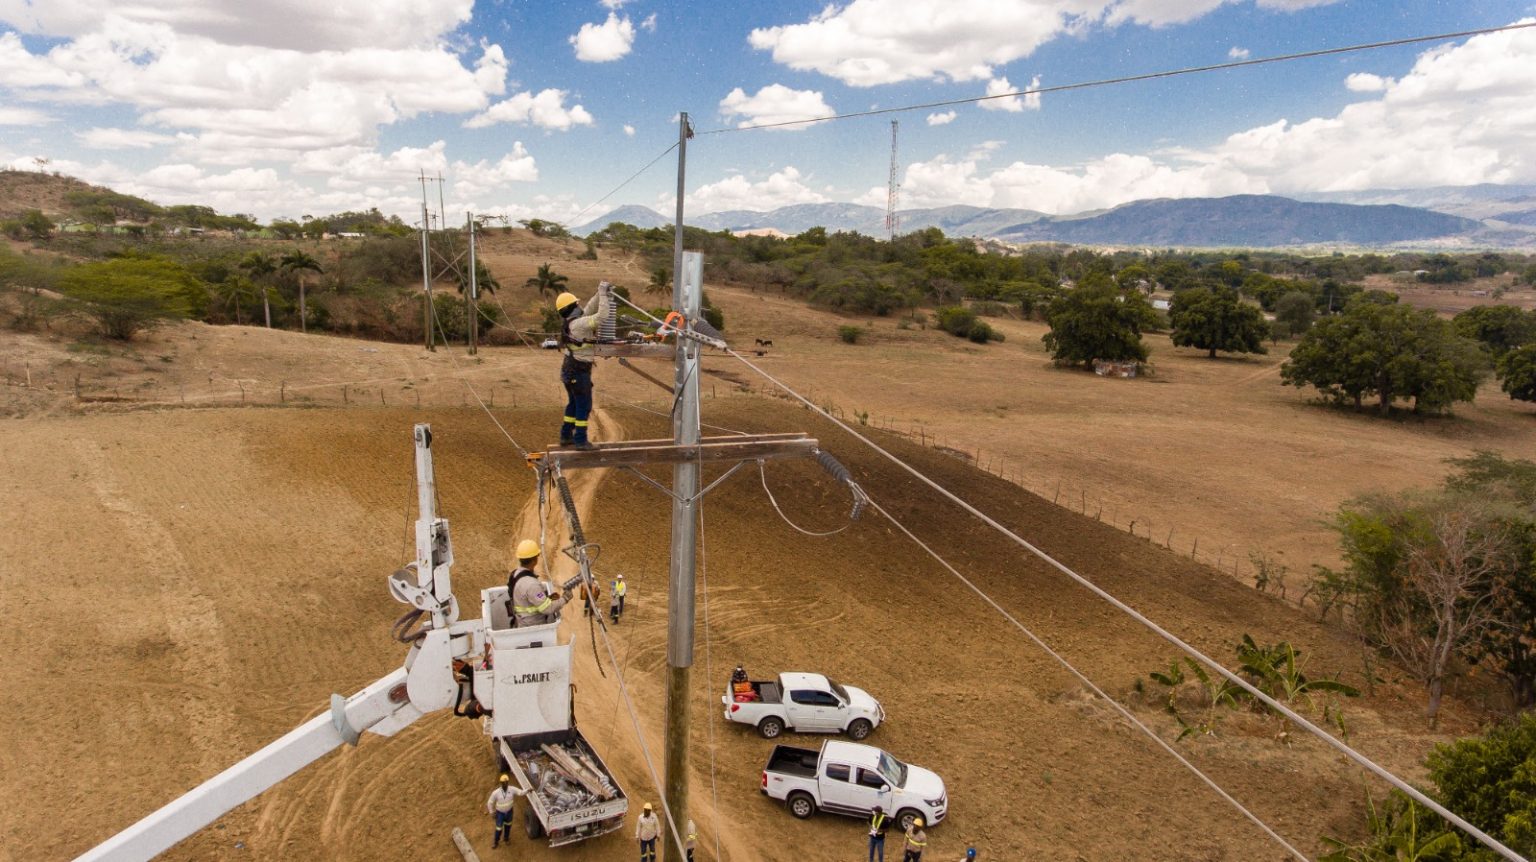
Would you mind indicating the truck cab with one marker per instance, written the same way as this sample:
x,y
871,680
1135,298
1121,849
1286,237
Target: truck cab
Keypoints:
x,y
848,778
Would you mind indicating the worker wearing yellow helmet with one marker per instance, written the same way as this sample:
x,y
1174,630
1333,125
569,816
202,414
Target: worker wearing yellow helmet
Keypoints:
x,y
500,805
578,334
916,842
531,602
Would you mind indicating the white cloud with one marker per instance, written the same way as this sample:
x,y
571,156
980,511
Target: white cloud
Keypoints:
x,y
997,87
1461,116
120,139
942,119
1293,5
615,4
1159,13
629,130
546,110
600,43
299,25
14,116
353,167
233,103
649,24
736,192
775,103
1365,82
483,176
1237,53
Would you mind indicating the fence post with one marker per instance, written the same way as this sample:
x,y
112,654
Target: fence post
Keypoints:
x,y
282,392
382,402
1168,542
1194,552
344,394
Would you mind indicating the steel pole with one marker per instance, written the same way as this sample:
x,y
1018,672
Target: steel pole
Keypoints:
x,y
688,289
472,301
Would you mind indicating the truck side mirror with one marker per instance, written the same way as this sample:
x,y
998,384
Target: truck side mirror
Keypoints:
x,y
885,788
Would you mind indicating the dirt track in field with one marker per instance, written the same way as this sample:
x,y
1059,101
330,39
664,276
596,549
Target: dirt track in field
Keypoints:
x,y
195,583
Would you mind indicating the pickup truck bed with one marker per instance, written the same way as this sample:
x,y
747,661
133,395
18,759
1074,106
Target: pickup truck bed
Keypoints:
x,y
767,691
800,762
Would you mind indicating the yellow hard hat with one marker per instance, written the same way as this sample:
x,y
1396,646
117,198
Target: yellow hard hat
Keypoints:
x,y
647,806
527,549
565,300
505,777
918,822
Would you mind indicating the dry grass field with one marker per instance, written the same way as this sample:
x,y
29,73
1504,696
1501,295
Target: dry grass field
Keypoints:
x,y
189,579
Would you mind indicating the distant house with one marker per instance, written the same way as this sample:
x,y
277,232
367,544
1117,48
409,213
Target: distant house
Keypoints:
x,y
1105,368
349,234
1161,304
761,231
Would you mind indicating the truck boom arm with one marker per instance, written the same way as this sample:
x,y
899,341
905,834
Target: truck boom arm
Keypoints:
x,y
375,708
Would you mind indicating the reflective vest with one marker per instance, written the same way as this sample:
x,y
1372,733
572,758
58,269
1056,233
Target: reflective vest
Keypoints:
x,y
620,588
917,839
877,825
525,610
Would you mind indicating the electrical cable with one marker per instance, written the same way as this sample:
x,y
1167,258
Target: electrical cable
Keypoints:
x,y
1089,684
764,474
467,385
632,178
709,668
1126,79
1292,715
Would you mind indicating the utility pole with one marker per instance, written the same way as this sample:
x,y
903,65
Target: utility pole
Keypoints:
x,y
687,288
472,299
892,189
426,272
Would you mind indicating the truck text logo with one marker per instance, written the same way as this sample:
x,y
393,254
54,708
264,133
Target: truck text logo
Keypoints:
x,y
530,677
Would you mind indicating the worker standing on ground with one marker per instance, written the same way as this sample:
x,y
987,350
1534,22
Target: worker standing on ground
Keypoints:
x,y
692,842
620,589
500,805
531,603
878,823
578,334
916,840
647,829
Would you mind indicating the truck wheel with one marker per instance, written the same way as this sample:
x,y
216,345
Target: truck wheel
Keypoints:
x,y
771,727
801,804
531,824
860,728
905,816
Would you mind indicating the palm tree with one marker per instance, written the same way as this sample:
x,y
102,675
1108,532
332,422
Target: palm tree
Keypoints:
x,y
297,261
260,266
232,289
547,280
661,280
484,281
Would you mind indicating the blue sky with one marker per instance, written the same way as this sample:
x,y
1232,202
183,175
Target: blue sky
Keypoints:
x,y
538,108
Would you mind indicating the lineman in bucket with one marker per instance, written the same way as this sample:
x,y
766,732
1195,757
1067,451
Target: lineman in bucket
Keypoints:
x,y
531,602
578,333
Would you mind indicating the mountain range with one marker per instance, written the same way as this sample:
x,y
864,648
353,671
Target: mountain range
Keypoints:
x,y
1458,217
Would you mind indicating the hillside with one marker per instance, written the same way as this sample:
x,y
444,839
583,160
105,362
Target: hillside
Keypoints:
x,y
1250,221
34,190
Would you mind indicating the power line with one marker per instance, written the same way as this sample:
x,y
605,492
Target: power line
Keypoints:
x,y
1083,85
1295,718
1125,713
632,178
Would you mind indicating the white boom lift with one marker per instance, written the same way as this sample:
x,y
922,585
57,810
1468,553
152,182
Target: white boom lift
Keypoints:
x,y
529,680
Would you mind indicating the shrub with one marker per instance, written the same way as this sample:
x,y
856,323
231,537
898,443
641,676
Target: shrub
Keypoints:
x,y
850,334
128,294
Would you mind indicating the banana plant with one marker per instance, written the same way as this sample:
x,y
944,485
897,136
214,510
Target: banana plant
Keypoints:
x,y
1278,672
1397,836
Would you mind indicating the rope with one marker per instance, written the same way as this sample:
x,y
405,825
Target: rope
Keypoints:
x,y
467,385
764,474
1244,684
1088,683
1324,52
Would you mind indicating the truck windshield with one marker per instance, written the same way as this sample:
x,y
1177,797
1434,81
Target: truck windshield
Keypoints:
x,y
894,770
838,688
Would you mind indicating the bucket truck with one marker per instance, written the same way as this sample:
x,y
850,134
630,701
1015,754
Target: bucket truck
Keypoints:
x,y
517,679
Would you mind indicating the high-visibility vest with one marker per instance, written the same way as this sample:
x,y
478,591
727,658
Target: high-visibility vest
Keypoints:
x,y
620,588
875,822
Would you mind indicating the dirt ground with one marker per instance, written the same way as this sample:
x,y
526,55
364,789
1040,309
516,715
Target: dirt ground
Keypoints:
x,y
218,571
193,583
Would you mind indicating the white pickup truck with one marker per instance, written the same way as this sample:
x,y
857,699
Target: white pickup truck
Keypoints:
x,y
847,778
802,702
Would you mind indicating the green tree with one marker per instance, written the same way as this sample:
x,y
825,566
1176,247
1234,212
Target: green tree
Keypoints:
x,y
36,224
1095,320
661,281
1491,781
1517,373
1213,318
297,263
1501,327
1387,350
232,290
1295,312
127,295
546,280
260,267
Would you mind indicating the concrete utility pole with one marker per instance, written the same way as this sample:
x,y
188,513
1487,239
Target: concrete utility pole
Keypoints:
x,y
687,287
426,272
472,298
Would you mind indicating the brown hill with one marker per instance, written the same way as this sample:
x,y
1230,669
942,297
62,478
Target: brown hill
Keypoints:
x,y
35,190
